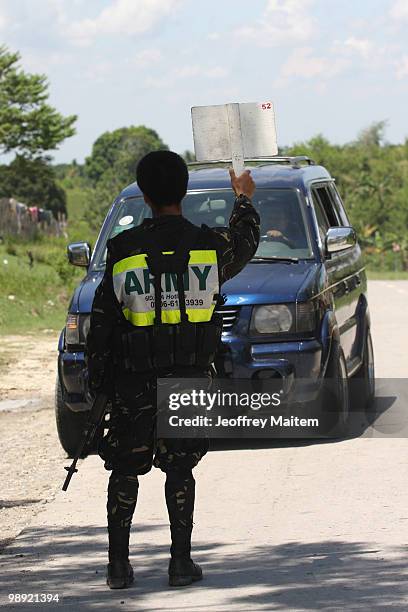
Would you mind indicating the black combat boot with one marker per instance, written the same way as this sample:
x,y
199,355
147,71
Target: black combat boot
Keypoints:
x,y
120,572
182,570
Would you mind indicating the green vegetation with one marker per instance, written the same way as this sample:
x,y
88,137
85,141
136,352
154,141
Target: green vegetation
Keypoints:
x,y
28,125
387,274
112,165
32,181
35,297
372,178
30,128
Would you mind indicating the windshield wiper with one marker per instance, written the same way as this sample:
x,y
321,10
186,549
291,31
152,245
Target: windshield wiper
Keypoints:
x,y
275,259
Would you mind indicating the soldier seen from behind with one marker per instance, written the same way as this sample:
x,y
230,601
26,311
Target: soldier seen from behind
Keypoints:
x,y
153,316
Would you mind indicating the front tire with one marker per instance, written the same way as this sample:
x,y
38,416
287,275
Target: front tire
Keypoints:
x,y
70,425
363,382
336,395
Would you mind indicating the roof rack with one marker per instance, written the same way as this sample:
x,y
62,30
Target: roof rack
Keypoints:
x,y
295,161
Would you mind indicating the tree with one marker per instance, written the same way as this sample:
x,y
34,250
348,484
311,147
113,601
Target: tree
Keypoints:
x,y
372,177
32,181
188,156
112,165
121,148
373,135
28,125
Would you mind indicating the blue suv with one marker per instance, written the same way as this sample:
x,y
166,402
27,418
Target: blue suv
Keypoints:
x,y
298,310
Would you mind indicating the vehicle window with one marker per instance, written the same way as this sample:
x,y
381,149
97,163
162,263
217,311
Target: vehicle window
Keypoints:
x,y
338,204
322,220
283,228
327,202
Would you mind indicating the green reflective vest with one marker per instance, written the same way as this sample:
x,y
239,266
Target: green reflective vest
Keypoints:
x,y
134,288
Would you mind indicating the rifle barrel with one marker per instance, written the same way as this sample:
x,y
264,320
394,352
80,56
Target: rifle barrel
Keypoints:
x,y
95,417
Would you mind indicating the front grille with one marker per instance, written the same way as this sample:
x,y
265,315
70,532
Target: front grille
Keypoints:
x,y
229,316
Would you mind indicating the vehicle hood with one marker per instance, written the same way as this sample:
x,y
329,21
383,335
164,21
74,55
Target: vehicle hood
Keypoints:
x,y
274,283
259,283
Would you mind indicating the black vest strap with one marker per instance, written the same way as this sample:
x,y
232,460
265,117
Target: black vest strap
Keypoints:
x,y
157,299
176,263
181,297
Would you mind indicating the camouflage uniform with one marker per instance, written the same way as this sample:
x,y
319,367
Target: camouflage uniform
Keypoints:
x,y
129,449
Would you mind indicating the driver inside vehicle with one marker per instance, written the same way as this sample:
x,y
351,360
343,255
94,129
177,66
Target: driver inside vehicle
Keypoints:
x,y
281,228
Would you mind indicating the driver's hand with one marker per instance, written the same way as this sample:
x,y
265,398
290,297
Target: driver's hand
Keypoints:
x,y
243,184
274,234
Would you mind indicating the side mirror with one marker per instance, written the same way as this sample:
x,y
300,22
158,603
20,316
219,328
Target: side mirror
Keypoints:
x,y
340,239
79,254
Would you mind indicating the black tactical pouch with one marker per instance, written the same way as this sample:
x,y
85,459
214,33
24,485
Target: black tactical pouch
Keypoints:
x,y
185,343
139,349
132,349
208,341
163,345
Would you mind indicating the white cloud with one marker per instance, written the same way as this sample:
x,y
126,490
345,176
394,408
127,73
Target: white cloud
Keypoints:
x,y
283,22
402,67
303,64
146,57
190,71
3,20
194,70
218,72
361,46
369,55
399,10
122,17
99,72
186,72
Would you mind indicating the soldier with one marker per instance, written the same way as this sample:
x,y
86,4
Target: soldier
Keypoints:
x,y
136,343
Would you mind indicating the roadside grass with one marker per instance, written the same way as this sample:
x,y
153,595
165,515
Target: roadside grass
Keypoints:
x,y
387,274
78,228
35,298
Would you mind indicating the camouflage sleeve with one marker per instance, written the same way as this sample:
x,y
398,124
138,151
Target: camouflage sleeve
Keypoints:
x,y
237,243
104,315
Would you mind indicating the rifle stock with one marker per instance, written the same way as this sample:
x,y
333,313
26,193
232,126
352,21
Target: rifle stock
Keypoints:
x,y
96,415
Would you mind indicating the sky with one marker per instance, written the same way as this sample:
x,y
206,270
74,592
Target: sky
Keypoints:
x,y
329,66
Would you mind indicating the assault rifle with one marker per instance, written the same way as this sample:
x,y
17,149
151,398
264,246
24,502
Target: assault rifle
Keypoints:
x,y
96,415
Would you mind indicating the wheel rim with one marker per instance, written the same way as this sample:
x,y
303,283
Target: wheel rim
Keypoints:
x,y
343,388
370,366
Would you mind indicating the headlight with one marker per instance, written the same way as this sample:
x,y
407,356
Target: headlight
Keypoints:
x,y
271,319
76,329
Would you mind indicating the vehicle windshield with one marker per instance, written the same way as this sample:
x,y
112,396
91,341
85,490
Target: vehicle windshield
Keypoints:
x,y
283,228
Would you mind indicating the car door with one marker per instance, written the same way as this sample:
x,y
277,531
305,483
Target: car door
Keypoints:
x,y
343,268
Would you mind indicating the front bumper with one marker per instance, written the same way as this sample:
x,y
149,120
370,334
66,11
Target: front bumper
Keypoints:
x,y
290,362
248,359
239,358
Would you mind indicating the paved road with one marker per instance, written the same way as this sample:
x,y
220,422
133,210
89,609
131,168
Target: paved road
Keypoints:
x,y
286,526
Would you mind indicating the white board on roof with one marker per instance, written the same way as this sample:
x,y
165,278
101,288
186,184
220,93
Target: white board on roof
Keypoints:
x,y
234,132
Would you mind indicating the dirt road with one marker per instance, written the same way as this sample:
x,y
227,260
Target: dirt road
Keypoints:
x,y
30,467
295,525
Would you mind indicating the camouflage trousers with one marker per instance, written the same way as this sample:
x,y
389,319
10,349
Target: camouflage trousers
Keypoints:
x,y
130,449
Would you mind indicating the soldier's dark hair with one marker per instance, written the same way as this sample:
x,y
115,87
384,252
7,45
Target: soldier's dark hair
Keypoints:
x,y
162,176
